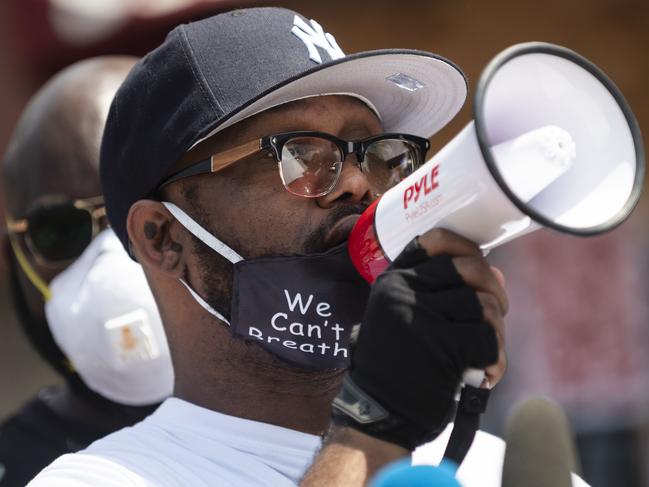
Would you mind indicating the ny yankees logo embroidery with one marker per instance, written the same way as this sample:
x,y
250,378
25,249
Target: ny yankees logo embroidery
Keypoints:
x,y
314,35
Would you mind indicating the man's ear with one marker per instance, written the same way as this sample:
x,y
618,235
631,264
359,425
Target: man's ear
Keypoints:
x,y
156,238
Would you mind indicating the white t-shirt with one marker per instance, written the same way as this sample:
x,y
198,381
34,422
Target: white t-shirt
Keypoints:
x,y
182,444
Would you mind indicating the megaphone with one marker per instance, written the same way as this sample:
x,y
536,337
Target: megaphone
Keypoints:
x,y
553,143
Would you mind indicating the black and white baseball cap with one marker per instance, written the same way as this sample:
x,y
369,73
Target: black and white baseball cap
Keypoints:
x,y
210,74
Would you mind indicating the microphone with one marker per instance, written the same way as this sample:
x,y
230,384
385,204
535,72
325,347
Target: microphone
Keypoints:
x,y
403,474
540,450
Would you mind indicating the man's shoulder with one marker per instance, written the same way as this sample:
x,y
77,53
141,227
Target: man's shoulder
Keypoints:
x,y
160,453
139,455
87,470
124,457
34,436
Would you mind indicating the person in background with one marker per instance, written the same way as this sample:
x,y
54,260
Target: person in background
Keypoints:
x,y
82,302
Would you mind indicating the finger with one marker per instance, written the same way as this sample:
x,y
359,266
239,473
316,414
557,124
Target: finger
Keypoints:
x,y
494,373
439,241
478,344
499,275
491,314
478,274
410,256
456,305
436,273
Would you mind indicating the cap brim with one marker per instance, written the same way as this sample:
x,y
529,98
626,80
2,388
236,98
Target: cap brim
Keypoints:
x,y
413,92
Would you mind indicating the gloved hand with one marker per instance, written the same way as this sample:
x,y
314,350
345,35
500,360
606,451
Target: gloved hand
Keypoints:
x,y
428,319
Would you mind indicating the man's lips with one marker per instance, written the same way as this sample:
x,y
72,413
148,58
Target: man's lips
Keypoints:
x,y
340,231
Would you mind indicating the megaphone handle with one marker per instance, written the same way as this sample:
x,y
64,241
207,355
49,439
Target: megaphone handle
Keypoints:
x,y
473,401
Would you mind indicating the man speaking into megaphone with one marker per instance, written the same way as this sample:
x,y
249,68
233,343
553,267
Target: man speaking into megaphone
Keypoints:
x,y
247,257
234,176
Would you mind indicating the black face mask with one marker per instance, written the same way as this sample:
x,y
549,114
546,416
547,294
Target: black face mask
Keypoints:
x,y
301,308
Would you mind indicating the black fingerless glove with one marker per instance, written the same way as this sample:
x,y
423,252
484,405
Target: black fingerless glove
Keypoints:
x,y
422,328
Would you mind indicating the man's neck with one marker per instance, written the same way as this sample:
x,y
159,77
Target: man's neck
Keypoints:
x,y
217,371
265,391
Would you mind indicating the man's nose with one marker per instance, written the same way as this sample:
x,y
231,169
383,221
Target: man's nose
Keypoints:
x,y
352,186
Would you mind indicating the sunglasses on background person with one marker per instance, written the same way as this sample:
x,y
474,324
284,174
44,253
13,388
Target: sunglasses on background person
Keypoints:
x,y
310,163
57,234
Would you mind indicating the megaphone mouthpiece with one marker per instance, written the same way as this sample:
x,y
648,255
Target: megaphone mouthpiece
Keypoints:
x,y
533,160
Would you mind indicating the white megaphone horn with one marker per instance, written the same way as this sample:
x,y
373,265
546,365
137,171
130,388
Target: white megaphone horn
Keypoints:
x,y
553,143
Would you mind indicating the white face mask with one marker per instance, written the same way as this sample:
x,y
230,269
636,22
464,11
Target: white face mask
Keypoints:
x,y
104,318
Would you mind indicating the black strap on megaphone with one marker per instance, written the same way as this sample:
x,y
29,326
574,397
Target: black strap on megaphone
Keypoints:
x,y
473,402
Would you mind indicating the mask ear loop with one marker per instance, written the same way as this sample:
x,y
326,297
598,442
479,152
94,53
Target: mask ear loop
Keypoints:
x,y
36,280
200,233
204,303
212,242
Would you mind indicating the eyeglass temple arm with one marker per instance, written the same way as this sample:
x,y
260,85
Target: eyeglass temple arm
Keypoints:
x,y
85,203
200,167
228,157
16,226
217,162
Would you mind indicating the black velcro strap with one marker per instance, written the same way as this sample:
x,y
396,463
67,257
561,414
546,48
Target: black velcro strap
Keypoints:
x,y
354,408
355,403
473,402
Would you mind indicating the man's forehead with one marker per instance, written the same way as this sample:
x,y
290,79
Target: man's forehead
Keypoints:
x,y
55,155
54,151
345,106
40,185
297,111
296,100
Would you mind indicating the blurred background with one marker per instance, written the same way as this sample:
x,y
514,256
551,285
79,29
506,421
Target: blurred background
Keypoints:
x,y
578,329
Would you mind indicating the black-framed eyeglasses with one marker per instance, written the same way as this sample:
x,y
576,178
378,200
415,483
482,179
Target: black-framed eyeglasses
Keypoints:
x,y
59,233
310,163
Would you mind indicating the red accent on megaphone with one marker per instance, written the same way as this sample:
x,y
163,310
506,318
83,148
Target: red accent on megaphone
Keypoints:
x,y
364,248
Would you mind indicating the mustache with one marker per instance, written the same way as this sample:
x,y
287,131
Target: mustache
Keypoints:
x,y
316,241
